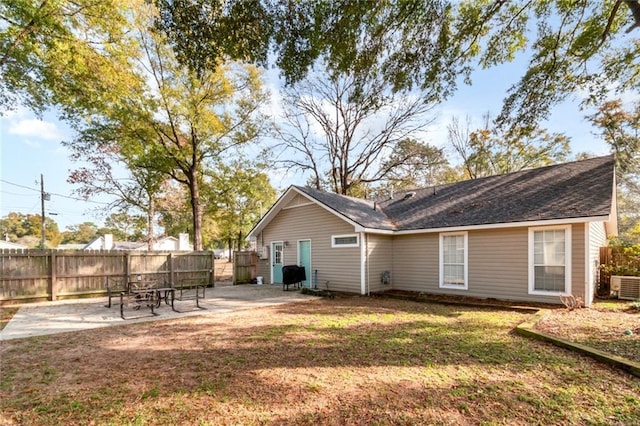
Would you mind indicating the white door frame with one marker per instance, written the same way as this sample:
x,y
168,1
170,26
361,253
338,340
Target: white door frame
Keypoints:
x,y
272,257
309,274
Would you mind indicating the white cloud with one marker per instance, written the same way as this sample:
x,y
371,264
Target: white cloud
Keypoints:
x,y
36,128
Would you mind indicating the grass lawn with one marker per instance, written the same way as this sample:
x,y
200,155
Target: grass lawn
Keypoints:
x,y
330,361
6,313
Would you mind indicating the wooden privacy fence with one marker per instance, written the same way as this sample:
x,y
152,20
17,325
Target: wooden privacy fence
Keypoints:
x,y
614,261
245,266
31,275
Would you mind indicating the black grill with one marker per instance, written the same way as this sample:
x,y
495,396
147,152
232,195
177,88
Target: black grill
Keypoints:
x,y
293,275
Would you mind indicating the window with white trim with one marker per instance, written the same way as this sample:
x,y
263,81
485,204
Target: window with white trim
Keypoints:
x,y
550,260
453,260
350,240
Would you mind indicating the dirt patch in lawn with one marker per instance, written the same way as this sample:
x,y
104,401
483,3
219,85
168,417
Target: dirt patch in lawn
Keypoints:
x,y
348,360
613,327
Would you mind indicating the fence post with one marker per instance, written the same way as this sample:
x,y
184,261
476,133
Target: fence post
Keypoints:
x,y
53,281
234,267
170,261
127,266
212,271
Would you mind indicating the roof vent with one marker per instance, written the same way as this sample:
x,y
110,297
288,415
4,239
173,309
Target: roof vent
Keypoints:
x,y
408,195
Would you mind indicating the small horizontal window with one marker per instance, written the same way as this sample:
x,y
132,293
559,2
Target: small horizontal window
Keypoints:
x,y
345,240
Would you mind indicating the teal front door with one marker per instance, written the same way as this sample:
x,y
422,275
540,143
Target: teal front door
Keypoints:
x,y
276,263
304,259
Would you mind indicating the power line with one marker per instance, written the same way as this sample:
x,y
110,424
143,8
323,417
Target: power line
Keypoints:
x,y
57,195
15,193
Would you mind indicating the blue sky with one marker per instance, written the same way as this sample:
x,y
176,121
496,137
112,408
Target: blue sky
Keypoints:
x,y
30,147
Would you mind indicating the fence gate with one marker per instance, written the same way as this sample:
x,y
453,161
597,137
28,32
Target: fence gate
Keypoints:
x,y
245,266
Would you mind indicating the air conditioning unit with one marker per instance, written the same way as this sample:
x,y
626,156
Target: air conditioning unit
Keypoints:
x,y
628,288
615,283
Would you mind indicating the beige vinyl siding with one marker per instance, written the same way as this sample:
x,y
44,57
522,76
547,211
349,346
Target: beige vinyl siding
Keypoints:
x,y
263,267
297,201
497,264
597,239
303,221
379,259
578,257
415,263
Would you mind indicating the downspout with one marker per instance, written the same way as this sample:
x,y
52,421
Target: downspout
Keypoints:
x,y
368,274
363,260
588,272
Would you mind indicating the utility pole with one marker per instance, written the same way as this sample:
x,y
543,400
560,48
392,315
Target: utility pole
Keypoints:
x,y
43,196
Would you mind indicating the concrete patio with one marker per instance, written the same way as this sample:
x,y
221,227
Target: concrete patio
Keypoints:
x,y
44,318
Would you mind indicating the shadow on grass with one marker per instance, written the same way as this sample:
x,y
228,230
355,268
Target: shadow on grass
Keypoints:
x,y
342,361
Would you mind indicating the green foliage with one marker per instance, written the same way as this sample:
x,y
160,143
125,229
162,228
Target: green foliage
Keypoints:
x,y
418,165
573,47
56,52
237,197
490,151
206,31
27,229
620,129
626,258
83,233
351,36
619,126
177,127
125,227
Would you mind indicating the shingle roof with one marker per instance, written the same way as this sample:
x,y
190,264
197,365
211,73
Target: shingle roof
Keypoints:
x,y
358,210
571,190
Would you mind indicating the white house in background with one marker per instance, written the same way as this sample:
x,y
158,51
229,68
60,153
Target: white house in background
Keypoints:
x,y
70,246
10,245
106,242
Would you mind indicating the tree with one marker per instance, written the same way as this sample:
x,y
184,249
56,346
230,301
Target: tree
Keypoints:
x,y
174,211
419,165
83,233
620,129
341,130
490,151
177,126
13,226
54,51
27,229
238,195
573,47
411,41
125,227
112,153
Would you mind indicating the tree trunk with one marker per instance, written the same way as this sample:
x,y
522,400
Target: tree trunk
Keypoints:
x,y
196,210
150,234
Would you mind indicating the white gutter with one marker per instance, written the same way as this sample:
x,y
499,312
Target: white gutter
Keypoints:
x,y
368,272
486,226
363,261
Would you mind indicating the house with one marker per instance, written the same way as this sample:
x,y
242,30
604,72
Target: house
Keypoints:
x,y
106,242
532,235
8,245
71,246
